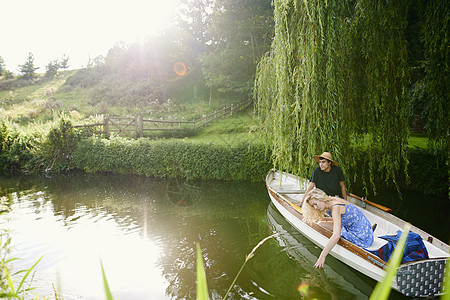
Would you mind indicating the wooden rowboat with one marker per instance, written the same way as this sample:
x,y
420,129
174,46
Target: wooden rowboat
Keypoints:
x,y
417,279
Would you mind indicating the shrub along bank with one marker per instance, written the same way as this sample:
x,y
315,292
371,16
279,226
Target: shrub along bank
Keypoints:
x,y
173,158
427,170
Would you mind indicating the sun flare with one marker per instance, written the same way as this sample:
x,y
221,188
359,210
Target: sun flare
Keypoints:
x,y
80,29
135,19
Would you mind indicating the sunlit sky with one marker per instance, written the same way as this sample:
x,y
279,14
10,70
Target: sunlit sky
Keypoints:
x,y
80,29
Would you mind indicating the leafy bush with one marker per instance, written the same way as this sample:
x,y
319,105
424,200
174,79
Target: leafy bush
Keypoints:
x,y
15,149
3,145
172,158
59,145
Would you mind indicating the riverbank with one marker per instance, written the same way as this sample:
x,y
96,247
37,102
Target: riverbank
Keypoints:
x,y
230,149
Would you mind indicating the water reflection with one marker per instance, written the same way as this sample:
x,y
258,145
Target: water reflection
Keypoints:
x,y
144,231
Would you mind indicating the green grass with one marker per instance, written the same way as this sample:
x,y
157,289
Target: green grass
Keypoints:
x,y
418,140
239,128
39,101
224,138
415,140
243,127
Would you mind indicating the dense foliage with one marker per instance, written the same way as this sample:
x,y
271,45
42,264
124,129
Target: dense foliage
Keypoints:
x,y
336,80
240,33
58,147
428,170
172,158
37,152
15,149
436,39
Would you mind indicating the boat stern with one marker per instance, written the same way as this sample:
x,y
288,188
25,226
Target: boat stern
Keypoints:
x,y
421,278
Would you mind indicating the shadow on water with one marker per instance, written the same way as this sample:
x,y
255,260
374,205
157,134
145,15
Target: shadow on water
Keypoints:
x,y
144,230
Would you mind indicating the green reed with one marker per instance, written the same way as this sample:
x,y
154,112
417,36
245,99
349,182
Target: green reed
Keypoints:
x,y
105,284
10,291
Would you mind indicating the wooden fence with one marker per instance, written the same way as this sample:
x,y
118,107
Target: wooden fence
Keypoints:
x,y
137,125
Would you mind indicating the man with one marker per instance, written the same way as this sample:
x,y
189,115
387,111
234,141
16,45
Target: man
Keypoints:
x,y
328,177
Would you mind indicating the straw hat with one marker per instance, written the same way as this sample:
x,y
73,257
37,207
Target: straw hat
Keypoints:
x,y
326,155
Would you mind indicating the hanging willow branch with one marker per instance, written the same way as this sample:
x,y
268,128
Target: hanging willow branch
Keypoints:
x,y
436,39
335,76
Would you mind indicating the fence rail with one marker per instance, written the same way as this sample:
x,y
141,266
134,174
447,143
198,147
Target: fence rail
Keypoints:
x,y
138,125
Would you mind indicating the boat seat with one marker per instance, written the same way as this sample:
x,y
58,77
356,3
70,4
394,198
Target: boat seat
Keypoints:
x,y
377,244
291,192
296,199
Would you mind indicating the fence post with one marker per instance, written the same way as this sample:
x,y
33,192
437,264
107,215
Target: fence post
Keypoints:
x,y
106,125
140,126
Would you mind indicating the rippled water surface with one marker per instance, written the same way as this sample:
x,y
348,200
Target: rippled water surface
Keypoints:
x,y
144,232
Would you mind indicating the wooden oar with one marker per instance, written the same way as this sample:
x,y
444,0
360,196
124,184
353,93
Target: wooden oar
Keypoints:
x,y
291,192
295,206
372,203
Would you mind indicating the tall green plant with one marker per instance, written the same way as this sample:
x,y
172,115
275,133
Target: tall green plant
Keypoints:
x,y
336,73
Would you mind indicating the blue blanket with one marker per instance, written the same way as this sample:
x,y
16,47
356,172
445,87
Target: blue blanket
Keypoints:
x,y
414,248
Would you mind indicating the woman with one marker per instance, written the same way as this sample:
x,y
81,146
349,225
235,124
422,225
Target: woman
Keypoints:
x,y
347,221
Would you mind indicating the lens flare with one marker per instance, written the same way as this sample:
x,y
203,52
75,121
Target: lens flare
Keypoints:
x,y
303,288
183,204
180,68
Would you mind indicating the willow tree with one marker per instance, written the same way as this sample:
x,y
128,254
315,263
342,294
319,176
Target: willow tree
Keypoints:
x,y
335,80
436,40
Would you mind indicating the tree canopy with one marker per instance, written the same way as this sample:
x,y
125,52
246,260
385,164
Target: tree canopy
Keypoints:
x,y
240,32
336,79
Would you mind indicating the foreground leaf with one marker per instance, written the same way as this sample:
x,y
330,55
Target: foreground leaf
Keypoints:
x,y
105,284
202,288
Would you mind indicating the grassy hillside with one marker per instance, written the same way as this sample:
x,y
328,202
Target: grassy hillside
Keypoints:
x,y
45,99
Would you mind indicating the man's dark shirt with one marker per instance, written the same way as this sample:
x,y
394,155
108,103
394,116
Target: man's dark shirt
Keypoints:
x,y
328,181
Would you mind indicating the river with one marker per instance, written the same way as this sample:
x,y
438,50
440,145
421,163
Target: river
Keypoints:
x,y
144,231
